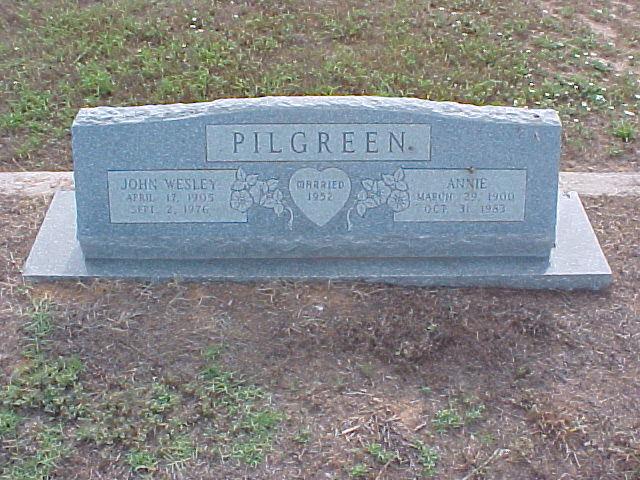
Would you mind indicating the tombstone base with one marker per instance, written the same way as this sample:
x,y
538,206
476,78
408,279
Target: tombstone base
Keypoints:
x,y
577,262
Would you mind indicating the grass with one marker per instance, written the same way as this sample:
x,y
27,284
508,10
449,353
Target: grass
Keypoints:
x,y
625,131
38,324
142,461
9,420
457,414
127,52
359,470
428,457
178,452
118,378
447,418
380,454
134,380
302,436
48,450
158,425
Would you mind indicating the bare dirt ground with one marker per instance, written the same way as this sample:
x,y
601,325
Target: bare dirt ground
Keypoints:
x,y
554,377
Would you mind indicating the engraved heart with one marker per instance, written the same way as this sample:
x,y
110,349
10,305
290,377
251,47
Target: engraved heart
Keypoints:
x,y
320,195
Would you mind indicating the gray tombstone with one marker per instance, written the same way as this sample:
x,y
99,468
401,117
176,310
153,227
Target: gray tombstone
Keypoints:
x,y
378,189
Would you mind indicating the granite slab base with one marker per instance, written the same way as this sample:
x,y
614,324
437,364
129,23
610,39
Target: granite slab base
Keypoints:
x,y
577,261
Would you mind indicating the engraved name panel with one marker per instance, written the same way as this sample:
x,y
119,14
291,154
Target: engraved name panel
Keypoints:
x,y
319,142
172,196
464,195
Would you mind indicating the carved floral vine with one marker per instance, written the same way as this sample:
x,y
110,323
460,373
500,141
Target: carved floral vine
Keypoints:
x,y
249,190
391,190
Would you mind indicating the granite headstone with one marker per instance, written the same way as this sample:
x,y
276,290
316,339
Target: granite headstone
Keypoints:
x,y
379,189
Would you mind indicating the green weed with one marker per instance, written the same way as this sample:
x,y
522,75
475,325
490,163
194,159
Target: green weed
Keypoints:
x,y
303,436
380,454
178,451
95,80
142,461
49,385
39,321
428,457
153,421
255,439
29,108
624,130
474,413
359,470
349,27
460,412
37,459
9,421
446,419
162,398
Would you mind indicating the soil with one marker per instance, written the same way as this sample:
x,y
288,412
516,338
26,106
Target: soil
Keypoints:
x,y
558,372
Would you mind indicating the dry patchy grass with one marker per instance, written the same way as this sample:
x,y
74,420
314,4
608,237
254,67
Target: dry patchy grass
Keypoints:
x,y
577,57
346,380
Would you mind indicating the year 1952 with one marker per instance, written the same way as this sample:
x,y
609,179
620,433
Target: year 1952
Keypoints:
x,y
320,196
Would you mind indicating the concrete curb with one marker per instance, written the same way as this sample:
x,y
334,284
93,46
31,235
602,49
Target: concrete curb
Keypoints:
x,y
33,184
585,183
606,183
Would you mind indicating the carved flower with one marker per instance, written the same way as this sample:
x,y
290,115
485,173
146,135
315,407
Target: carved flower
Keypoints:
x,y
258,192
243,181
271,199
241,200
382,190
375,193
398,201
395,181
